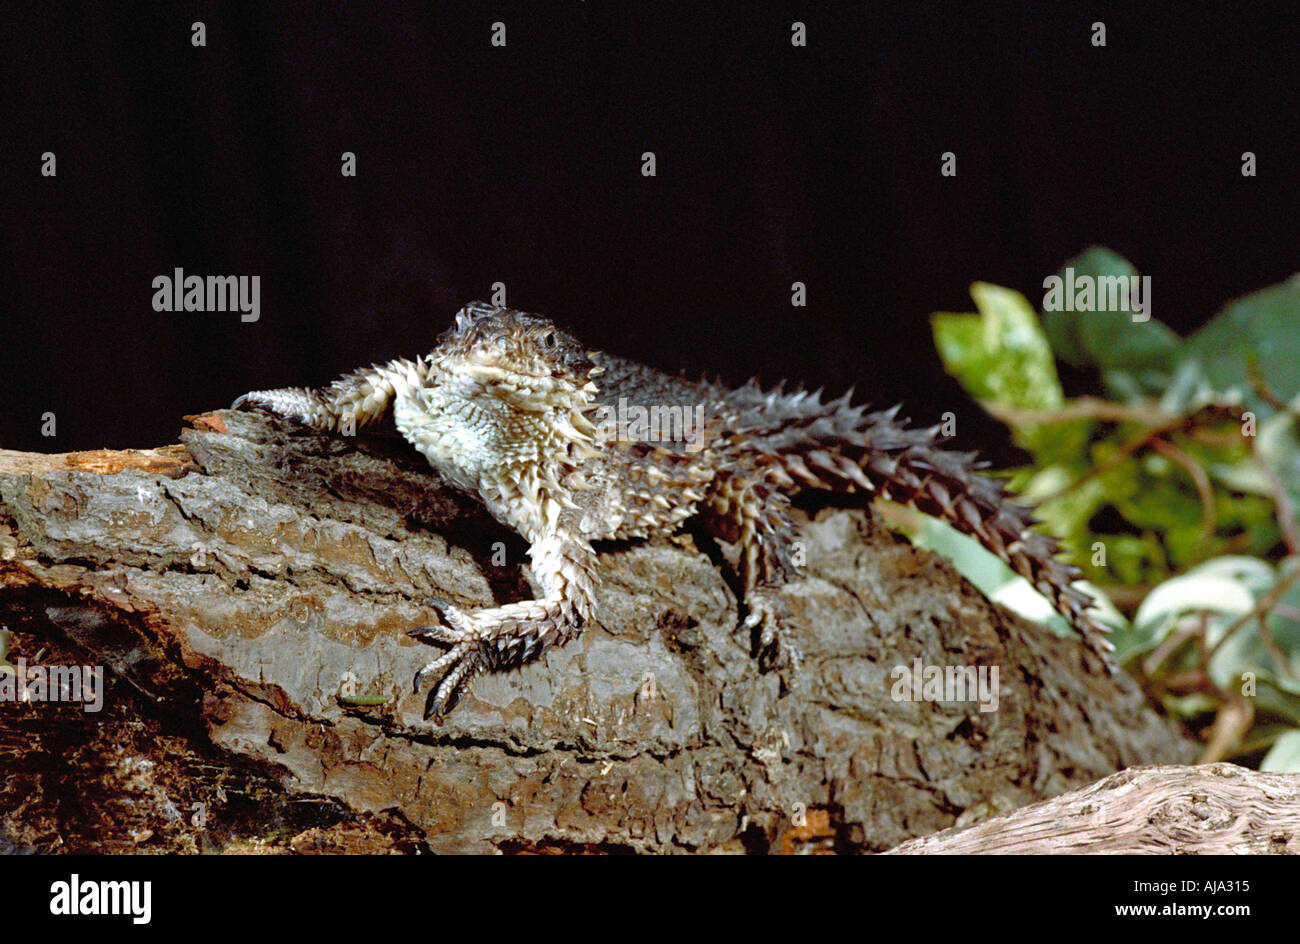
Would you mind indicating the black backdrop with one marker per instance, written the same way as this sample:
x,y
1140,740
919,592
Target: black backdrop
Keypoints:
x,y
522,165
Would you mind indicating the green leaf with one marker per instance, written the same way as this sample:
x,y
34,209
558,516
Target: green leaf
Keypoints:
x,y
1279,449
1066,513
980,566
1284,756
1134,355
1190,706
1065,328
1189,390
1245,650
999,355
988,572
997,581
1193,593
1277,697
1251,572
1262,328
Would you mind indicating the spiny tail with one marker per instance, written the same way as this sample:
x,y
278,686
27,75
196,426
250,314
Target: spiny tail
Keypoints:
x,y
838,447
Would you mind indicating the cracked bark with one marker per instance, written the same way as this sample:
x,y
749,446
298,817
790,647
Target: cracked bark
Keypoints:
x,y
236,584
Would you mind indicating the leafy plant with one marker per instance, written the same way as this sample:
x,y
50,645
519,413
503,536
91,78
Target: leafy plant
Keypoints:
x,y
1174,486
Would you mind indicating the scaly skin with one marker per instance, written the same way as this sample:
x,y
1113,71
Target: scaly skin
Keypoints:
x,y
512,409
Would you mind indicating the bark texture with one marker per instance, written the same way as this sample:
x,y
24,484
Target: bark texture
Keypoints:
x,y
237,584
1217,809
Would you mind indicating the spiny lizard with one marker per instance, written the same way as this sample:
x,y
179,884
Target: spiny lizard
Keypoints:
x,y
512,409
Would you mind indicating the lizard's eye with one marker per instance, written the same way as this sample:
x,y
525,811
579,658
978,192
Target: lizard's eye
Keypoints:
x,y
502,342
548,339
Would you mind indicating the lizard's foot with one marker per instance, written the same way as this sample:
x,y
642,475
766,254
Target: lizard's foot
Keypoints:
x,y
763,621
468,654
488,640
295,402
265,401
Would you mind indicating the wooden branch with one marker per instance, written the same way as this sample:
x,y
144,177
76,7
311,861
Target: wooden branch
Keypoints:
x,y
1082,408
249,590
1216,809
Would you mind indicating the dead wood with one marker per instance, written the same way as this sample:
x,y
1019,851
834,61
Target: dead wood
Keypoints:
x,y
236,585
1215,809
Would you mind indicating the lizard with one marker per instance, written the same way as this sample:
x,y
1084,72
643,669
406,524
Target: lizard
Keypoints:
x,y
512,409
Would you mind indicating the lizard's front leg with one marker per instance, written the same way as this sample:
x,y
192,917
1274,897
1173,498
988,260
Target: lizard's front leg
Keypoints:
x,y
355,399
506,637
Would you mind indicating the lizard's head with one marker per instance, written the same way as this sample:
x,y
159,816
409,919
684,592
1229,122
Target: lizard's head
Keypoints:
x,y
518,358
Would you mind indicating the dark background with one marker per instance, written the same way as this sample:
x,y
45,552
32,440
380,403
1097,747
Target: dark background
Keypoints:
x,y
522,165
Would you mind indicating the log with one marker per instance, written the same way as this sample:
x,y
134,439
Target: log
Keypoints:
x,y
1215,809
248,591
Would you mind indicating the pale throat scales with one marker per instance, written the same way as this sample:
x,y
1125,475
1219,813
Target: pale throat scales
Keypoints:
x,y
509,456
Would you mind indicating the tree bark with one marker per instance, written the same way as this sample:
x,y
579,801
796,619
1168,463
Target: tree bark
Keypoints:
x,y
249,592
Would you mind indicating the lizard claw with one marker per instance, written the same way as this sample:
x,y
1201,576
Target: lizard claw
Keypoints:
x,y
459,665
464,659
764,625
253,400
433,634
451,630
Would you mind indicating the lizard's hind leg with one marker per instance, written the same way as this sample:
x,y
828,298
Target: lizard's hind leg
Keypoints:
x,y
745,509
